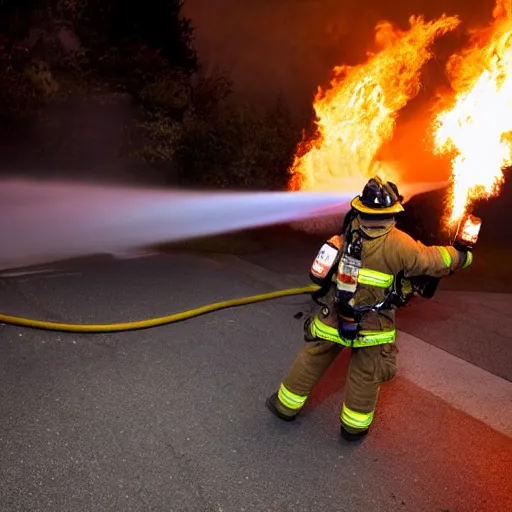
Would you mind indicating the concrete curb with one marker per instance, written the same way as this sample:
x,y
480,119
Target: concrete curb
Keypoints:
x,y
467,387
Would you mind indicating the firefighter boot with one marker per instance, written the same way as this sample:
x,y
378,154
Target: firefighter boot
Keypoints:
x,y
353,436
272,404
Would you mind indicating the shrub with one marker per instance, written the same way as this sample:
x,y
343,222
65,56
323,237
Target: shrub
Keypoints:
x,y
219,142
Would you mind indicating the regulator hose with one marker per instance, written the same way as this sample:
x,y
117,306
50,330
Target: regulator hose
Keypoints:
x,y
155,322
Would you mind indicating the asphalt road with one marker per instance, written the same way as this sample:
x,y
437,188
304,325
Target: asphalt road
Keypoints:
x,y
173,419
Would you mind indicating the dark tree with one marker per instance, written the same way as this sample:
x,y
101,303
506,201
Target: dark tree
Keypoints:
x,y
137,41
15,19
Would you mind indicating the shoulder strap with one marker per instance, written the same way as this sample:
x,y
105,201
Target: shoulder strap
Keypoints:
x,y
349,217
347,232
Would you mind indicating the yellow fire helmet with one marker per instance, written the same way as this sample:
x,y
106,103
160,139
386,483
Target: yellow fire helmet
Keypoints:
x,y
378,198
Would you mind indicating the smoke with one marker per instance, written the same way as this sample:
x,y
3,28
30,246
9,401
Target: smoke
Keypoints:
x,y
292,45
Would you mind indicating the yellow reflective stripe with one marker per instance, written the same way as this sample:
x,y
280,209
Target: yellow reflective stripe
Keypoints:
x,y
358,420
289,399
375,278
469,259
325,332
446,256
365,339
376,337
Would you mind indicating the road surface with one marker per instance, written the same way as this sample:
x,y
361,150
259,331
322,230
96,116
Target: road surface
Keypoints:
x,y
173,419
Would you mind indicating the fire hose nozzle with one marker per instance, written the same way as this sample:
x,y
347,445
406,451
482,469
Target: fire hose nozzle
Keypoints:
x,y
467,233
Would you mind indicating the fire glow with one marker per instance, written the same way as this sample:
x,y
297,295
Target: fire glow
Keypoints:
x,y
472,125
475,129
357,115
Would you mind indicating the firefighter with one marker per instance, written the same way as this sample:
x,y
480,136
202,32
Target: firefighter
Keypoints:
x,y
364,274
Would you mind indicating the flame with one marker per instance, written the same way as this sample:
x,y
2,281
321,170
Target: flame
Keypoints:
x,y
475,130
357,115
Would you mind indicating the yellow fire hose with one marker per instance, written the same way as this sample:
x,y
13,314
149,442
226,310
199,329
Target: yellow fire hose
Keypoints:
x,y
145,324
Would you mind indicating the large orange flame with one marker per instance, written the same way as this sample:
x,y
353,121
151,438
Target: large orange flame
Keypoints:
x,y
475,129
357,115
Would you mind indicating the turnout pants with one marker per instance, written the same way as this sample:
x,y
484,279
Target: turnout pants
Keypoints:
x,y
369,367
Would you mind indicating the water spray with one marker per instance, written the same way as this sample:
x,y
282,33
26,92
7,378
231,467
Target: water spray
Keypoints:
x,y
41,222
